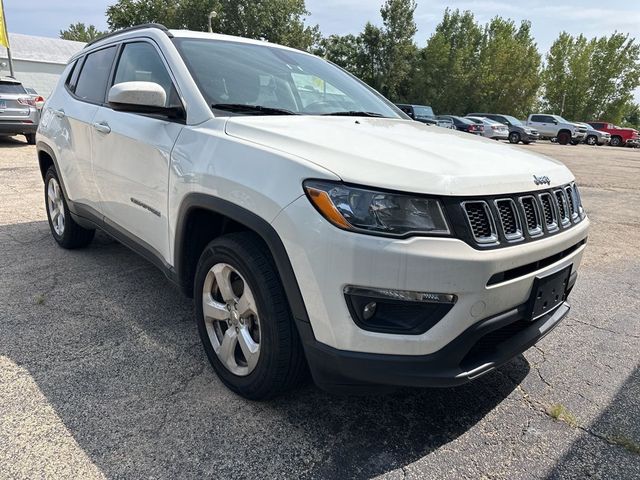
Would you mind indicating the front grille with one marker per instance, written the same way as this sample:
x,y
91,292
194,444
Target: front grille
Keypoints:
x,y
492,222
479,218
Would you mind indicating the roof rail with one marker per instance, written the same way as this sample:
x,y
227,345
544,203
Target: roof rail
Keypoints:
x,y
130,29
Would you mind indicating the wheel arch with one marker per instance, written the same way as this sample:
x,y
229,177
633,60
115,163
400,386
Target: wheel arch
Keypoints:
x,y
202,217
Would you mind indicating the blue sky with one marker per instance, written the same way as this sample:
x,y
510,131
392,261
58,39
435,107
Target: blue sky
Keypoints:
x,y
591,17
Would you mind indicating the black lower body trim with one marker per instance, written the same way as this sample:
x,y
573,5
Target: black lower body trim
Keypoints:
x,y
479,349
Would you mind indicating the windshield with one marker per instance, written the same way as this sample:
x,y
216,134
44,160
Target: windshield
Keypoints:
x,y
561,120
423,112
233,76
512,120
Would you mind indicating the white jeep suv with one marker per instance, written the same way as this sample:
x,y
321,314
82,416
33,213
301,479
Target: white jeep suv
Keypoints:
x,y
313,222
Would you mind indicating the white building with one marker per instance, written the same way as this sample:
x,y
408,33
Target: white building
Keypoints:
x,y
38,61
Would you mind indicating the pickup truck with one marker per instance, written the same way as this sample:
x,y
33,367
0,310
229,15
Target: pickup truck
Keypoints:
x,y
620,136
554,126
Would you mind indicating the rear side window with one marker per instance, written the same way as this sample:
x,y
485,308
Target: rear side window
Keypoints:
x,y
11,88
93,79
538,118
140,62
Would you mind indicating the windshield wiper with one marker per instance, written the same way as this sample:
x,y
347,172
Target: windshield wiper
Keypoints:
x,y
242,108
353,113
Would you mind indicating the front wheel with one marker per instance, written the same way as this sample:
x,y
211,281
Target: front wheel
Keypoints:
x,y
244,320
514,137
63,227
592,140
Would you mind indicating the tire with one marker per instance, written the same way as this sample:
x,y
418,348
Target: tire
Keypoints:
x,y
564,138
279,365
616,141
514,137
63,227
591,140
31,138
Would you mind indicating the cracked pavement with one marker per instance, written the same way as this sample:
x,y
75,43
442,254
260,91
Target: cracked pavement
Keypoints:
x,y
102,374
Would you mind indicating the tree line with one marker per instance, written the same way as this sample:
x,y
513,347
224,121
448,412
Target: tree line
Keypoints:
x,y
463,66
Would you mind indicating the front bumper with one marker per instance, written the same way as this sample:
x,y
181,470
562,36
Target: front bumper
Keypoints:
x,y
326,259
479,349
529,137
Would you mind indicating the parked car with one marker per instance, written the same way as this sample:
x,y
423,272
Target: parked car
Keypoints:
x,y
554,126
463,124
518,131
336,237
446,123
595,137
492,129
18,112
421,113
620,136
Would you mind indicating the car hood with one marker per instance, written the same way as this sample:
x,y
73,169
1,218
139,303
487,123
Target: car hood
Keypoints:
x,y
401,154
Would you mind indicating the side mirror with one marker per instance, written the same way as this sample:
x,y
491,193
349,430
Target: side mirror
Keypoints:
x,y
129,95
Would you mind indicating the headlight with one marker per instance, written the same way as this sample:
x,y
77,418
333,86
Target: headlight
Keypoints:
x,y
370,211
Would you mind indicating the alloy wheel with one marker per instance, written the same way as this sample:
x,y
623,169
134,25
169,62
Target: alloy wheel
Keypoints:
x,y
231,319
55,205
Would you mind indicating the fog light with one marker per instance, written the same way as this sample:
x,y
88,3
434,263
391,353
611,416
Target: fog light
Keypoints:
x,y
397,311
369,310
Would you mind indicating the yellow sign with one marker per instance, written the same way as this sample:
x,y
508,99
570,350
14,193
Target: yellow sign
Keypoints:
x,y
4,37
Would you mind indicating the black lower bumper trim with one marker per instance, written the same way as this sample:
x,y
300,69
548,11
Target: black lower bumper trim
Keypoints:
x,y
17,128
339,370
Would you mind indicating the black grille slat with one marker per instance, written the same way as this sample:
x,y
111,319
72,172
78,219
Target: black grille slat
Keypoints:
x,y
531,213
479,220
508,217
572,207
562,207
547,209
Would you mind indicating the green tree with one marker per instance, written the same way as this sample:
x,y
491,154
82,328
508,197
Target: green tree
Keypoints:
x,y
447,71
398,48
278,21
79,32
587,79
509,67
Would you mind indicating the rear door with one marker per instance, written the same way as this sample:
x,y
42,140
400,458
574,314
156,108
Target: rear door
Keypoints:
x,y
131,153
544,124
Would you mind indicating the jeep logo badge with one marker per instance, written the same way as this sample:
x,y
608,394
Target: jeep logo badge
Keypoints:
x,y
542,180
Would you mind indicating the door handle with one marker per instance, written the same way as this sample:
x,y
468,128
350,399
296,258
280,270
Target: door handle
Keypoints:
x,y
102,127
58,113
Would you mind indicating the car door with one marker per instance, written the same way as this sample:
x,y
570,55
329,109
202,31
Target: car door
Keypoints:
x,y
67,120
544,124
131,154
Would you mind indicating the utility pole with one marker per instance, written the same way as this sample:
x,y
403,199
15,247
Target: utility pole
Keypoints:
x,y
213,14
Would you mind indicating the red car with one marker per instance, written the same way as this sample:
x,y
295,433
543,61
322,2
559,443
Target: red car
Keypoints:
x,y
619,136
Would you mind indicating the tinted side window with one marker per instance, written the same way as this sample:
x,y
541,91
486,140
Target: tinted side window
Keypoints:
x,y
94,76
538,118
140,62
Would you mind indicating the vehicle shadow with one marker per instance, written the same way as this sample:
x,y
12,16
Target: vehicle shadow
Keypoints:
x,y
12,142
114,350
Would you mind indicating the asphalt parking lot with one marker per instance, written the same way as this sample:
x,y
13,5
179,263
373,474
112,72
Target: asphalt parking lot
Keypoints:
x,y
102,373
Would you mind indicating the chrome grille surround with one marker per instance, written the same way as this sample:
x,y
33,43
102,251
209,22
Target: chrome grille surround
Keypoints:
x,y
509,219
531,210
481,221
563,206
549,211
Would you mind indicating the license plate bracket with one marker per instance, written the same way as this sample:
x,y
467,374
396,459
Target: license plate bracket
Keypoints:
x,y
548,292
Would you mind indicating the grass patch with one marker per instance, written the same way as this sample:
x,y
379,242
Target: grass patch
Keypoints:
x,y
39,299
559,412
626,443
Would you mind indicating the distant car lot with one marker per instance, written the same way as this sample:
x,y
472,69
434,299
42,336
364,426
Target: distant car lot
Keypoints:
x,y
102,374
